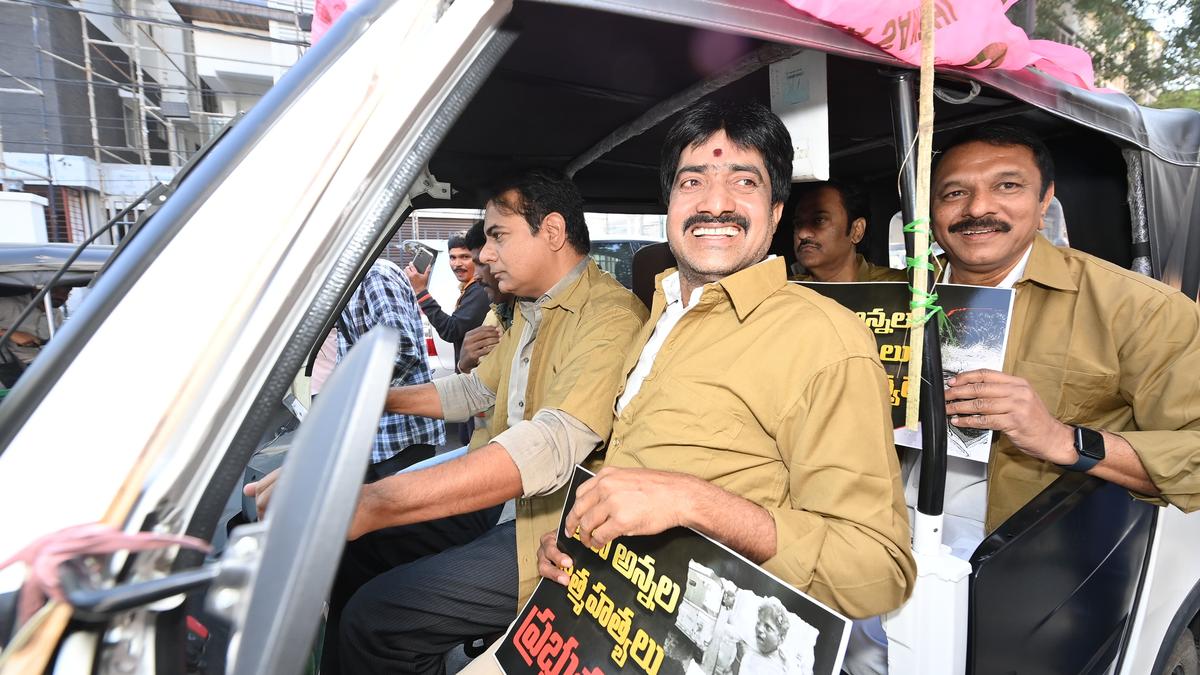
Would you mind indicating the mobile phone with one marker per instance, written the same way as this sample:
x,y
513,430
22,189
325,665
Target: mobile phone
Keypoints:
x,y
423,259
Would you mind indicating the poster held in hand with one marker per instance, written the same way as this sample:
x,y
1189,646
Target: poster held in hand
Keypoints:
x,y
974,335
669,604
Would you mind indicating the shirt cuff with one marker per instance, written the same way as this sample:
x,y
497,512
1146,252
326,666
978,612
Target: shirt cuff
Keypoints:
x,y
462,396
546,449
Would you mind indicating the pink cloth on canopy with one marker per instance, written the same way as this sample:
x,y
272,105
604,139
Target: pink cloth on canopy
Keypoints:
x,y
971,33
325,12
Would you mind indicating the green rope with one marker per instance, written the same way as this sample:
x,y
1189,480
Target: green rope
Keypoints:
x,y
919,225
922,260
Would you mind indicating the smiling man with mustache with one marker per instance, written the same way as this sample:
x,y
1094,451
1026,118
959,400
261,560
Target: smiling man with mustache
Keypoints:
x,y
755,411
1100,370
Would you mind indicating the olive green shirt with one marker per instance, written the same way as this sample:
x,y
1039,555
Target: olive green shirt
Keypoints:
x,y
575,367
866,272
775,393
1109,349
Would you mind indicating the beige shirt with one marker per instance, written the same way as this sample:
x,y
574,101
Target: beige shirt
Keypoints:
x,y
585,331
866,272
1109,349
775,393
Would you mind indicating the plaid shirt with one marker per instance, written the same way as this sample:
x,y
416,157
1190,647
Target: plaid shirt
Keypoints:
x,y
386,297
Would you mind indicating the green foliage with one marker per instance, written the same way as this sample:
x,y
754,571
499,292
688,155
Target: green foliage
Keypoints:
x,y
1124,45
1178,98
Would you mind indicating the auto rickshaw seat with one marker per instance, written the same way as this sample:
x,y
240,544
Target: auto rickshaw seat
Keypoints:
x,y
648,262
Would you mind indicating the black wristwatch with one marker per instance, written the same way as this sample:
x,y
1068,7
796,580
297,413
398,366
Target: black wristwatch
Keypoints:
x,y
1089,443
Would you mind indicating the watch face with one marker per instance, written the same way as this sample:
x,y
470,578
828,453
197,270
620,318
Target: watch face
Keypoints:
x,y
1089,443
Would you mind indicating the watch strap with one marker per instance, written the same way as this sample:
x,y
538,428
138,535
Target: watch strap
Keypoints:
x,y
1089,445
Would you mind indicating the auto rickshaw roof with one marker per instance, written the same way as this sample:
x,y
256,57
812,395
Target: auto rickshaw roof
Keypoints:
x,y
586,68
25,267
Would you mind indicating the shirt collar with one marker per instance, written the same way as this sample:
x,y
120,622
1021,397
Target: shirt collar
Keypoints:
x,y
860,267
673,293
1009,280
1047,266
1042,264
567,293
747,288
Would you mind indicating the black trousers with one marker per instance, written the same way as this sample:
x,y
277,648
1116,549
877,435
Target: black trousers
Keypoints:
x,y
406,596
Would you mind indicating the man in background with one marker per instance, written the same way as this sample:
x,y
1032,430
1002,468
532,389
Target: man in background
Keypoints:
x,y
385,297
829,221
479,342
472,302
27,338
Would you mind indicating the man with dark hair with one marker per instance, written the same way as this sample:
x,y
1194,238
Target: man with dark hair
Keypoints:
x,y
534,194
1100,370
829,221
472,304
481,341
783,449
551,379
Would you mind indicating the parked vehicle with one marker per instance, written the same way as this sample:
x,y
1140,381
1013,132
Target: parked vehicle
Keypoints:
x,y
615,256
27,269
225,314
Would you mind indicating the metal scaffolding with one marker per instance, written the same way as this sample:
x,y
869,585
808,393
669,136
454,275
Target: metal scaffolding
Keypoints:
x,y
143,61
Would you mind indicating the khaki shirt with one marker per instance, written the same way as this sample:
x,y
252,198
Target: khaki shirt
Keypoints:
x,y
866,272
775,393
1108,349
480,437
575,367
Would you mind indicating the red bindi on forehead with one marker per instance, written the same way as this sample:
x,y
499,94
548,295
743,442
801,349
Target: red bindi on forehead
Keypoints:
x,y
716,152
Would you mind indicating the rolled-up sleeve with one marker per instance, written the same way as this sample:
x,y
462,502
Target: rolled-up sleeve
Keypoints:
x,y
547,448
1159,377
844,538
462,396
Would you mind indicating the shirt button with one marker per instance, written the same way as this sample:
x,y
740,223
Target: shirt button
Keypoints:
x,y
521,404
525,360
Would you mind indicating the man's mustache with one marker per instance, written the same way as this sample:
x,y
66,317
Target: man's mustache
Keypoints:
x,y
807,242
708,219
975,223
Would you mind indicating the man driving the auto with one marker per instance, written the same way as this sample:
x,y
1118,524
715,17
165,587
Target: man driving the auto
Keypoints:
x,y
829,221
552,378
1100,371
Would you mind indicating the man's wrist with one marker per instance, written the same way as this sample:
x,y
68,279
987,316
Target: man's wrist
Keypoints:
x,y
1065,453
422,296
689,500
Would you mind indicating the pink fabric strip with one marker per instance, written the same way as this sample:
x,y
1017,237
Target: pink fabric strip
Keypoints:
x,y
971,33
45,554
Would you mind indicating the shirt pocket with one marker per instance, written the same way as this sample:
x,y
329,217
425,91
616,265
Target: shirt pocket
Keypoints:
x,y
700,420
1088,397
1073,396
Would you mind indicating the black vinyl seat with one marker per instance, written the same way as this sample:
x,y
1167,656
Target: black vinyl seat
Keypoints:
x,y
1052,589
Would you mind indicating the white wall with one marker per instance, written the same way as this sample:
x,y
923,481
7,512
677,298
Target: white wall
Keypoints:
x,y
22,219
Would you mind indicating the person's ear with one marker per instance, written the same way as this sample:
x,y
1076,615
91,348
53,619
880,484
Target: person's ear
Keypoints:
x,y
858,230
554,229
1045,205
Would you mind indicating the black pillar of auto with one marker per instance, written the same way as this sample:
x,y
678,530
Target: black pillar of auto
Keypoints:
x,y
931,491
